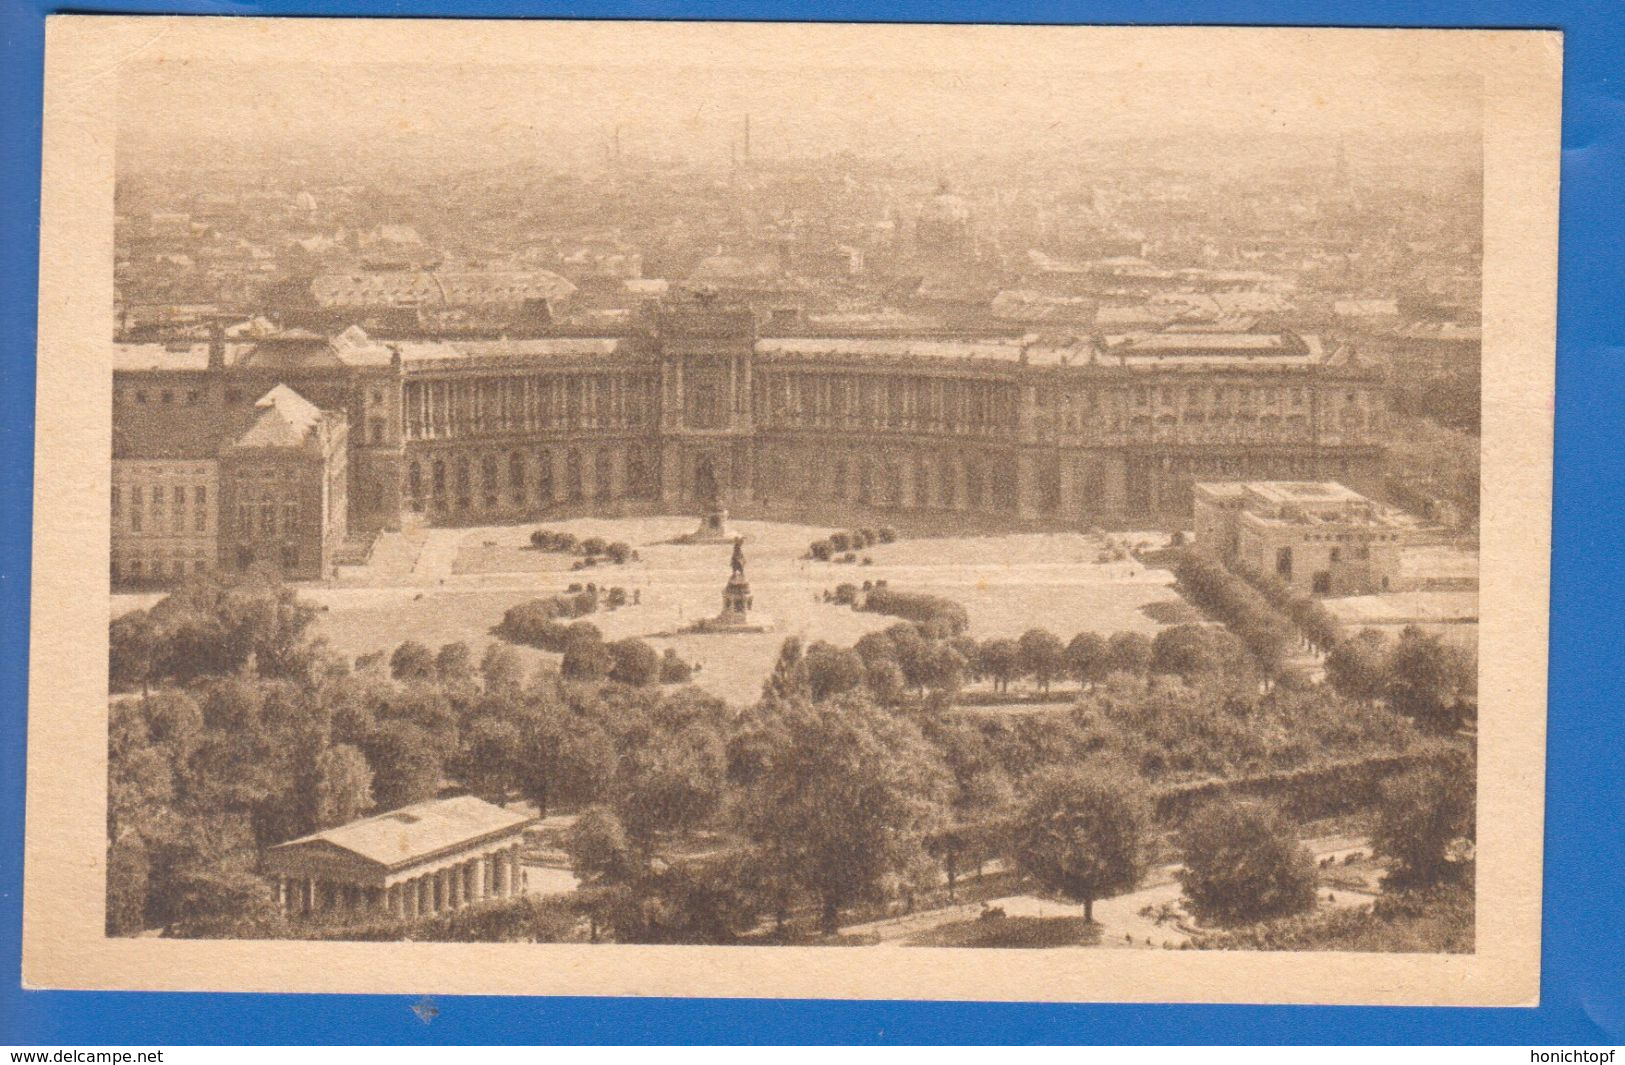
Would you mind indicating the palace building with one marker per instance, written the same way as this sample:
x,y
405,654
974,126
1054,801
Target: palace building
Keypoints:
x,y
694,403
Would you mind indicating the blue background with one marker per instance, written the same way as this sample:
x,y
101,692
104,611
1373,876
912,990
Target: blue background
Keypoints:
x,y
1583,993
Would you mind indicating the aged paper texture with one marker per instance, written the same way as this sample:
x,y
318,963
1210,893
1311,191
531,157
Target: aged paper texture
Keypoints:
x,y
847,511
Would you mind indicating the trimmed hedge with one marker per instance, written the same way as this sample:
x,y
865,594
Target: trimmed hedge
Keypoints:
x,y
922,609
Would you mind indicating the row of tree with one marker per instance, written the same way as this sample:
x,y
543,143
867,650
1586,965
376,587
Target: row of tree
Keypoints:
x,y
1432,682
1268,633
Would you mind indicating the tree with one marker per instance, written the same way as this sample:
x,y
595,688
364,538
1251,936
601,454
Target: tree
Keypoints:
x,y
1243,863
1087,658
884,678
501,671
1424,813
412,662
343,787
586,658
788,676
1000,659
1084,834
602,859
406,764
132,645
488,763
845,812
674,669
1357,667
1042,656
944,670
128,878
636,663
1129,652
672,784
454,663
1185,651
831,670
1427,680
598,848
563,760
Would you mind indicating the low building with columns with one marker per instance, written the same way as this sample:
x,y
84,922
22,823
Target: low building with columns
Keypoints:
x,y
417,861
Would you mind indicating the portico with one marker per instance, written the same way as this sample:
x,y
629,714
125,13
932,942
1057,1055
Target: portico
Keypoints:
x,y
418,861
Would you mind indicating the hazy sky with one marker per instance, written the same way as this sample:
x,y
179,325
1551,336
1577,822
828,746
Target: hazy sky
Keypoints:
x,y
924,101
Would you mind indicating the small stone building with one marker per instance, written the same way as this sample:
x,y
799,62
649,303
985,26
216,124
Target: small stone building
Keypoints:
x,y
416,861
1316,537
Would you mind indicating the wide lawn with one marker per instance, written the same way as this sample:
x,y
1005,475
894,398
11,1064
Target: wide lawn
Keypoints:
x,y
464,579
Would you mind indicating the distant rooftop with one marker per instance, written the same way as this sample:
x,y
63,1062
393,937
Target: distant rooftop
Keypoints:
x,y
284,419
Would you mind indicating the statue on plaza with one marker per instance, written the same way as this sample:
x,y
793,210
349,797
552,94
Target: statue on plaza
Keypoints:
x,y
739,558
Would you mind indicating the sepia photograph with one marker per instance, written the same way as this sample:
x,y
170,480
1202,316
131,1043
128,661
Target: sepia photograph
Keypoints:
x,y
848,491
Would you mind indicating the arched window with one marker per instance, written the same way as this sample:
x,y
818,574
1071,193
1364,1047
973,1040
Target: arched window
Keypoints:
x,y
488,480
462,486
973,482
516,477
544,477
572,470
414,485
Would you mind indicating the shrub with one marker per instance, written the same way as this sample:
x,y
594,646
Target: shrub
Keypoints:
x,y
635,663
887,534
619,552
1244,863
1424,813
586,658
673,669
930,610
537,622
615,598
594,545
846,594
840,542
821,550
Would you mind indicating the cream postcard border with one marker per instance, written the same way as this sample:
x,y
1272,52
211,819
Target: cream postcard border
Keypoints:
x,y
63,943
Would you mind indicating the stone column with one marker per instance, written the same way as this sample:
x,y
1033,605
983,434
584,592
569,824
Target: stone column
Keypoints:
x,y
499,874
282,894
482,873
617,473
425,886
454,887
906,487
961,484
516,872
474,890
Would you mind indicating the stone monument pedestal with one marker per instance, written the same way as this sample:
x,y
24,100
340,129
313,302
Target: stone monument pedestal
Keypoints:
x,y
713,529
736,615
